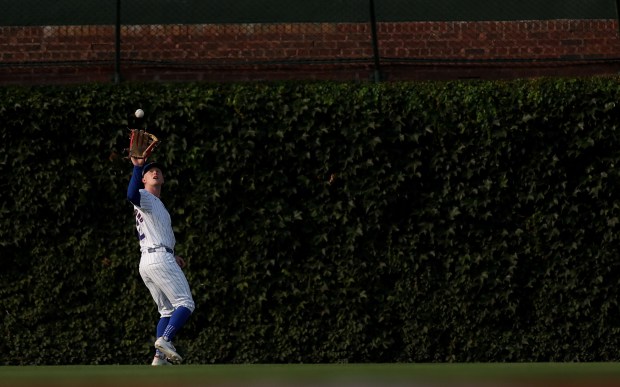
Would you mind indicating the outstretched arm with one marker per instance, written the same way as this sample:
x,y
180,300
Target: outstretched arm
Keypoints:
x,y
133,191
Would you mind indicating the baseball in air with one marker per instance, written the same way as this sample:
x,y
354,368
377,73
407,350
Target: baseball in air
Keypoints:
x,y
139,113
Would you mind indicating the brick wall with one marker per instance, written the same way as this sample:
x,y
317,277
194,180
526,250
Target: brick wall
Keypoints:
x,y
415,50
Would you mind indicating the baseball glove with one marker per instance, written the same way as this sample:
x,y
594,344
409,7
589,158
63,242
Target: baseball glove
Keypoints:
x,y
141,144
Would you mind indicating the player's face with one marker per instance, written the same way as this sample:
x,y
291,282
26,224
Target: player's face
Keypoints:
x,y
153,176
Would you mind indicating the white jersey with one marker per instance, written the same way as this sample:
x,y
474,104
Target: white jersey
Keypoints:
x,y
153,222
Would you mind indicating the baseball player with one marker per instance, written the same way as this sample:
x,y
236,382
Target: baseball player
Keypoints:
x,y
160,268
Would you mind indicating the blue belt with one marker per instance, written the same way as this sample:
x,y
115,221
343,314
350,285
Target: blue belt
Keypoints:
x,y
155,249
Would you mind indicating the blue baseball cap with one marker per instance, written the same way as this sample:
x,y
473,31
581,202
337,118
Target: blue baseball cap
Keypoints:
x,y
152,165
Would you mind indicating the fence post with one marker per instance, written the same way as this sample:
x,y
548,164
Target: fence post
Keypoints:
x,y
117,44
375,43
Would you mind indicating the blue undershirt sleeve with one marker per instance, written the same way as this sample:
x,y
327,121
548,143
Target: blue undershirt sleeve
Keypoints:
x,y
133,191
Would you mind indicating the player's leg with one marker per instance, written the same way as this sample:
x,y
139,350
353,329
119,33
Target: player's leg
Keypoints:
x,y
183,303
159,332
178,319
160,358
161,325
174,285
165,309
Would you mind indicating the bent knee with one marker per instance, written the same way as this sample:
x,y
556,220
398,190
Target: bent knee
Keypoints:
x,y
189,305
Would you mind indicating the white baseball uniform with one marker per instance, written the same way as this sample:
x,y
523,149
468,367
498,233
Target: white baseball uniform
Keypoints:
x,y
158,266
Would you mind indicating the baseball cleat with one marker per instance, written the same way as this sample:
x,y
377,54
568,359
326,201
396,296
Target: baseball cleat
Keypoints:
x,y
159,361
168,349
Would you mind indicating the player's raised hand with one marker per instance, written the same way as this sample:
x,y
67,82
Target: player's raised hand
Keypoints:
x,y
138,162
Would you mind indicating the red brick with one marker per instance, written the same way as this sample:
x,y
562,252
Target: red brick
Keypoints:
x,y
560,39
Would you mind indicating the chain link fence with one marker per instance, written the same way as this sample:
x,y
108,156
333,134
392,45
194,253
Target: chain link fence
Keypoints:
x,y
322,36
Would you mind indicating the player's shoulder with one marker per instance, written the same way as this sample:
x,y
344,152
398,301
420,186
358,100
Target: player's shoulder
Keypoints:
x,y
146,195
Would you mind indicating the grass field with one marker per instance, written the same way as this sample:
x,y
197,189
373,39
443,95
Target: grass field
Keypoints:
x,y
349,375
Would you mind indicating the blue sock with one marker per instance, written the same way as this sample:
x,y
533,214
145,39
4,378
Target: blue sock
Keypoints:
x,y
161,328
178,319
